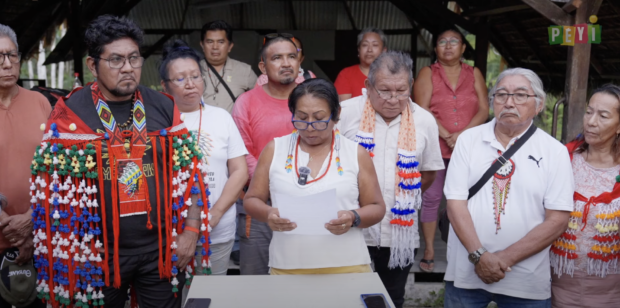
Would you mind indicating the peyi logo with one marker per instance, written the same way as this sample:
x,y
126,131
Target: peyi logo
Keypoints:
x,y
20,272
577,34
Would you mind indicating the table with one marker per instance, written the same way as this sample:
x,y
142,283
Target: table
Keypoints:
x,y
299,291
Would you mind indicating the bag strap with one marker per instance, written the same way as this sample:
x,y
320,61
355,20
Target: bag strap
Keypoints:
x,y
221,81
501,160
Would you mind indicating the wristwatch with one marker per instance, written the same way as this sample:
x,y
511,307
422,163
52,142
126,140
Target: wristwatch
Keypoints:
x,y
474,257
357,221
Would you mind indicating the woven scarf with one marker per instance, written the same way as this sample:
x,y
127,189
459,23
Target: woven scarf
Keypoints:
x,y
408,191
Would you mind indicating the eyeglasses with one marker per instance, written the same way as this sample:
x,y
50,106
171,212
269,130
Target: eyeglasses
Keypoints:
x,y
184,80
388,96
271,36
14,57
452,42
119,62
519,98
303,125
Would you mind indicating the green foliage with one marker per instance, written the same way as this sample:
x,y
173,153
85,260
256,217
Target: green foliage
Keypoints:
x,y
435,299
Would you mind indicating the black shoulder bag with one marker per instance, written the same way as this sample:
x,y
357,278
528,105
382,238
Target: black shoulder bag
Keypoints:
x,y
444,221
221,81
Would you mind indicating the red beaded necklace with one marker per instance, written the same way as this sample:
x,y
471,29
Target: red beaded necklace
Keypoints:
x,y
331,152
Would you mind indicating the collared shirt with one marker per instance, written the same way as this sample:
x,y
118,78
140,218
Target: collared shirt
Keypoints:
x,y
238,76
542,180
386,149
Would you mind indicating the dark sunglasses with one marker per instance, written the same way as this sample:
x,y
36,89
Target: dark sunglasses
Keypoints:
x,y
271,36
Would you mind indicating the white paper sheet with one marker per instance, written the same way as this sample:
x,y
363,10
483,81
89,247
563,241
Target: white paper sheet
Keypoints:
x,y
310,213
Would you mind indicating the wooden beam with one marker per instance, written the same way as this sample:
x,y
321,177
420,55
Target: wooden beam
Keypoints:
x,y
447,16
551,11
529,41
576,85
498,42
347,8
291,12
414,50
157,45
74,24
572,5
482,45
496,9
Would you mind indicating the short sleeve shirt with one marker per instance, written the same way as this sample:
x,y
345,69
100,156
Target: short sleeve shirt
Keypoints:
x,y
220,141
350,81
386,141
238,76
542,180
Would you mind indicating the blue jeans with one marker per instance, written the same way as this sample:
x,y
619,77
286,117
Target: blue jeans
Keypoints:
x,y
477,298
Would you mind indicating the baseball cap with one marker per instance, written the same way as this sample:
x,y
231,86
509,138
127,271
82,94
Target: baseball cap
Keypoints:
x,y
17,282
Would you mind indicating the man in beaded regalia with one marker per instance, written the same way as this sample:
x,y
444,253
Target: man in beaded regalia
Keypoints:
x,y
118,191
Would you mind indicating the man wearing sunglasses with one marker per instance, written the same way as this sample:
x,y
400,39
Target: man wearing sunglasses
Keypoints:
x,y
123,208
403,140
21,113
261,115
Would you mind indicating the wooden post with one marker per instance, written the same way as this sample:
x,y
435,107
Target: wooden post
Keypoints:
x,y
577,68
414,50
74,26
482,45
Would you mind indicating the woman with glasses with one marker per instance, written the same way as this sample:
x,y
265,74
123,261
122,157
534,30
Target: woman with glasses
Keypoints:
x,y
219,140
332,162
456,94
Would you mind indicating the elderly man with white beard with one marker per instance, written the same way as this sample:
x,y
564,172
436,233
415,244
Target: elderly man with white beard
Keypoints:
x,y
498,247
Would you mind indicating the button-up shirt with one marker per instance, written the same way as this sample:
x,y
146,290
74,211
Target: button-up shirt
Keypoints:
x,y
238,76
386,153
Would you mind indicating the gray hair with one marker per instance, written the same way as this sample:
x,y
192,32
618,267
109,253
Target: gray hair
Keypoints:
x,y
6,31
394,61
535,82
360,36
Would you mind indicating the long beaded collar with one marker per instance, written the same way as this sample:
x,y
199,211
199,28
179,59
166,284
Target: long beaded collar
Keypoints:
x,y
68,203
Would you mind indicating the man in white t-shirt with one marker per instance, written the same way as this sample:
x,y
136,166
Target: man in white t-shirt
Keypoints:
x,y
389,89
498,247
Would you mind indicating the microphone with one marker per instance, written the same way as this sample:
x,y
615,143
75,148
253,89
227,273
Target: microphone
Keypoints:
x,y
304,172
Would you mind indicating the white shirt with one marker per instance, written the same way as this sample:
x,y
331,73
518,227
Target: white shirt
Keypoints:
x,y
219,141
386,149
542,180
291,251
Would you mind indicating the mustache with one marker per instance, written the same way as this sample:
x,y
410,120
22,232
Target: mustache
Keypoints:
x,y
510,111
286,70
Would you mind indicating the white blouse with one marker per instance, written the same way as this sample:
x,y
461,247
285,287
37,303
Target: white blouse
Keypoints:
x,y
292,251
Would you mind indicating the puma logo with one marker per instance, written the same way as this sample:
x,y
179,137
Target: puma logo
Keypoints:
x,y
534,159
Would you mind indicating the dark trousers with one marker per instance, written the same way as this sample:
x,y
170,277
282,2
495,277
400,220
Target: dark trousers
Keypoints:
x,y
254,251
395,279
142,273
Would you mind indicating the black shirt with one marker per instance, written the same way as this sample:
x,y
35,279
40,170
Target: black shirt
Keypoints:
x,y
134,237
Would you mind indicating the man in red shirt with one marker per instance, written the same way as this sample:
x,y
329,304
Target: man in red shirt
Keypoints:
x,y
371,42
262,114
21,114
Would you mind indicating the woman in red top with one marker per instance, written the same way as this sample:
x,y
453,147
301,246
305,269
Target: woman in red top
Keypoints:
x,y
456,94
350,81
